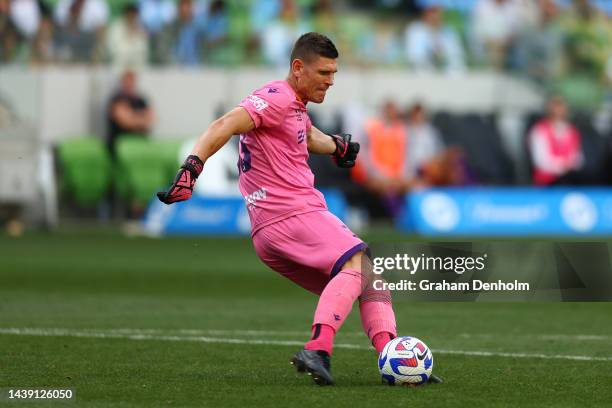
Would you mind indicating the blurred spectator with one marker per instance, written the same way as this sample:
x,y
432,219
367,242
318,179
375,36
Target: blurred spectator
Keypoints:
x,y
397,158
155,15
383,161
588,42
424,142
528,13
279,35
26,17
181,42
128,112
555,146
324,18
430,44
9,36
379,45
127,41
262,12
43,45
429,162
495,25
541,47
81,25
216,29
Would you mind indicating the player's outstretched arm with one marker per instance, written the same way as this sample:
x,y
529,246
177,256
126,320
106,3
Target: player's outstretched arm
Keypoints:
x,y
219,132
343,151
319,142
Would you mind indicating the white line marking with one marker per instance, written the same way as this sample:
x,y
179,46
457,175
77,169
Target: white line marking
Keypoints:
x,y
135,335
204,332
522,355
566,337
579,337
146,334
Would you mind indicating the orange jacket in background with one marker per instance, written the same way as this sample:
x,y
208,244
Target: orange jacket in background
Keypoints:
x,y
385,150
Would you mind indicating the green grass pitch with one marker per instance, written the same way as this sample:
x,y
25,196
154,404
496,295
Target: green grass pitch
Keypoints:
x,y
201,322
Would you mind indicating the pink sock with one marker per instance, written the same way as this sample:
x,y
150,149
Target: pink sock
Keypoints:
x,y
322,338
380,341
334,305
377,317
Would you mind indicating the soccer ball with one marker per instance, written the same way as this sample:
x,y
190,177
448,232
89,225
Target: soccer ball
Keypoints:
x,y
405,361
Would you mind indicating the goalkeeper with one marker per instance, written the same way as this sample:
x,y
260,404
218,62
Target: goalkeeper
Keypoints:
x,y
292,230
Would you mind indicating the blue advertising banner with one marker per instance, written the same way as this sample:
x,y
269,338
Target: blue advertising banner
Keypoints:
x,y
509,211
226,215
214,215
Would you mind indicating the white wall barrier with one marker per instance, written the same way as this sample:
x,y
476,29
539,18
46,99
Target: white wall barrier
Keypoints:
x,y
65,101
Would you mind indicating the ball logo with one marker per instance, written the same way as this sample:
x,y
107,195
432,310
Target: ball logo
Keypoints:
x,y
578,212
440,211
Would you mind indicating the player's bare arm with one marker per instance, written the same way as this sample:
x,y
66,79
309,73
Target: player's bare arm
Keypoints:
x,y
234,122
319,142
219,132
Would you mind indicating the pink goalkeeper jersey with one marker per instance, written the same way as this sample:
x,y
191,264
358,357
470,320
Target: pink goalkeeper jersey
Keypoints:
x,y
275,179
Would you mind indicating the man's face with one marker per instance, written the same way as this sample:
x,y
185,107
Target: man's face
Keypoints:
x,y
4,7
132,18
391,111
185,10
433,16
557,108
314,78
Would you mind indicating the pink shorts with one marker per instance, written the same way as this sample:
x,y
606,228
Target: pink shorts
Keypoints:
x,y
307,248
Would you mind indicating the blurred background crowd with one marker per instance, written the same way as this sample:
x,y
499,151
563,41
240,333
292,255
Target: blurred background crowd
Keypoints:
x,y
549,41
560,48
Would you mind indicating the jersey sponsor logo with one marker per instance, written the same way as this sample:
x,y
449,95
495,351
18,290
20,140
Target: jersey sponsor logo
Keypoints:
x,y
272,90
252,199
257,102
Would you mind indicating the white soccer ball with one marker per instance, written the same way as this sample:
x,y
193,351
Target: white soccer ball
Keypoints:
x,y
405,361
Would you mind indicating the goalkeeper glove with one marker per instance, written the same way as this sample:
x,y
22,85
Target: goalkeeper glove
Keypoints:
x,y
185,179
346,151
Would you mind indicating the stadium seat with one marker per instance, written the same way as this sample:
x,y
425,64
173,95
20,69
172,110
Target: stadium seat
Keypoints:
x,y
85,169
167,150
445,123
529,120
479,138
142,168
594,149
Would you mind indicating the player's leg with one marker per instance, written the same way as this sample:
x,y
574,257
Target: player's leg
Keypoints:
x,y
309,249
353,281
335,304
376,309
377,317
318,252
302,249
